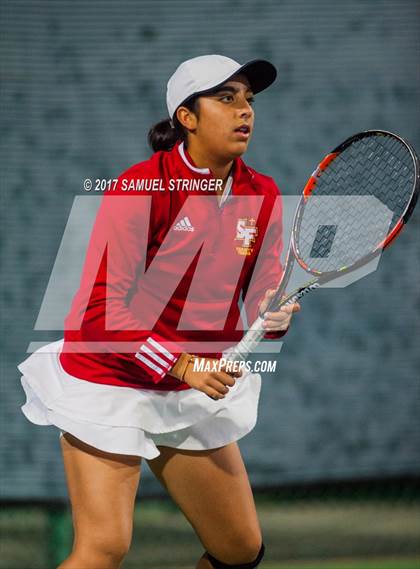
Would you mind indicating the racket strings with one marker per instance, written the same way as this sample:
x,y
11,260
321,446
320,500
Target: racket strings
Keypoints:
x,y
378,165
334,232
356,202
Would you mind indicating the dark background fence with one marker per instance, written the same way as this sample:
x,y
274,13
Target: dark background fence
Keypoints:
x,y
83,82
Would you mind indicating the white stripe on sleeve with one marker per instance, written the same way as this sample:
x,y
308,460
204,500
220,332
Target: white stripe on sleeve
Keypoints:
x,y
150,364
155,357
161,349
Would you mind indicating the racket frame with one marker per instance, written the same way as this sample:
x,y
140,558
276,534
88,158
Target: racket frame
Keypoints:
x,y
326,276
256,332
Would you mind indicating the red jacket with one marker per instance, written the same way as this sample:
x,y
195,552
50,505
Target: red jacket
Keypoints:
x,y
166,268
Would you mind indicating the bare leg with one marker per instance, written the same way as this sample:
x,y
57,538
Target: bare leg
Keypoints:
x,y
102,488
213,491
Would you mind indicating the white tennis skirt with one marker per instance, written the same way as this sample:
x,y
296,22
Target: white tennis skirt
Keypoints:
x,y
126,420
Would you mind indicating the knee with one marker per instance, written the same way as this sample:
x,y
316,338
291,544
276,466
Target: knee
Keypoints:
x,y
246,548
247,552
103,551
114,548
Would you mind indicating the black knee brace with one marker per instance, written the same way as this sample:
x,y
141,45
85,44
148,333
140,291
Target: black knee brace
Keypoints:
x,y
220,565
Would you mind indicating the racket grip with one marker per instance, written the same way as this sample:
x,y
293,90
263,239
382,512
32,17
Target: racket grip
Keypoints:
x,y
247,345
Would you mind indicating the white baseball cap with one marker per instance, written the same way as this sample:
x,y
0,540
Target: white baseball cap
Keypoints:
x,y
206,72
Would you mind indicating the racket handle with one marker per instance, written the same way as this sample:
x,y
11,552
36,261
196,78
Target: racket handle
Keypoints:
x,y
255,334
247,345
297,295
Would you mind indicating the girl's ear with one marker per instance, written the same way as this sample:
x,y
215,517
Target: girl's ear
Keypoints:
x,y
187,118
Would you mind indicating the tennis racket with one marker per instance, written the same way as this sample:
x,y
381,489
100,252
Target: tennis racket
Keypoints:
x,y
353,206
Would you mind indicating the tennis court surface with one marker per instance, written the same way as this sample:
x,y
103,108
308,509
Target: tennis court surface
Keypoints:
x,y
314,534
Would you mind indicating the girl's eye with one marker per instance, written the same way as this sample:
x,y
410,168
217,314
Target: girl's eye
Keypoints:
x,y
230,98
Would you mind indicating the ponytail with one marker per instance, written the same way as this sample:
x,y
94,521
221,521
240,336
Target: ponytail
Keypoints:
x,y
165,134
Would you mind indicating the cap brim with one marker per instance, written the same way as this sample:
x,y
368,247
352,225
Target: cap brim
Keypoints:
x,y
259,72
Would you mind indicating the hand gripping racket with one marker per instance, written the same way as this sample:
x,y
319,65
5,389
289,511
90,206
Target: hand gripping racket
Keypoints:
x,y
353,206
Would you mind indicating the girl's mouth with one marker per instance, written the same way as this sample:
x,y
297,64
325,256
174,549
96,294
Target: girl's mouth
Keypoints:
x,y
243,131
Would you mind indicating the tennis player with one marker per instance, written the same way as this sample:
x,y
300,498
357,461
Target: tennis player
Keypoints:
x,y
164,274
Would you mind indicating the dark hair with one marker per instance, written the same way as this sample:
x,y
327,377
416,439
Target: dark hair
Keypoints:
x,y
164,136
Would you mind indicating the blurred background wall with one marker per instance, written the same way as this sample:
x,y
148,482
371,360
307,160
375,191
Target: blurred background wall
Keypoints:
x,y
83,82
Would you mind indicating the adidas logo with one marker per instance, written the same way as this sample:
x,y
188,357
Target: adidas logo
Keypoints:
x,y
184,225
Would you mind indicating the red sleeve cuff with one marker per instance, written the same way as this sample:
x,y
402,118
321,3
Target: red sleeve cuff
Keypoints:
x,y
156,357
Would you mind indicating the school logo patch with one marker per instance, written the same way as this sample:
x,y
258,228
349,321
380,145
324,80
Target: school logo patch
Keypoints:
x,y
246,231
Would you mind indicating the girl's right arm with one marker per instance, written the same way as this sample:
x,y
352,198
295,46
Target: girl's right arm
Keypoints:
x,y
213,381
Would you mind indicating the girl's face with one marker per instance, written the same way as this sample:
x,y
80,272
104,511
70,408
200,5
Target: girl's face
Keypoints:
x,y
225,121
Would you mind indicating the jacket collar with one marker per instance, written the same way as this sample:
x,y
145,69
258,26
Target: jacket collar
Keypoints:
x,y
188,161
240,172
